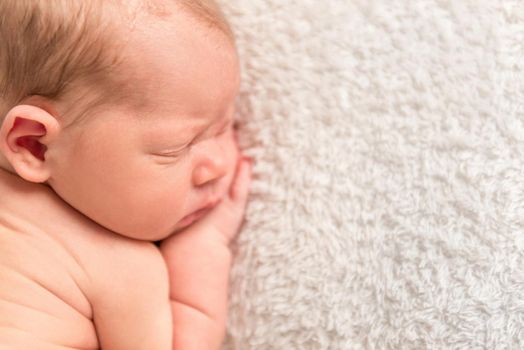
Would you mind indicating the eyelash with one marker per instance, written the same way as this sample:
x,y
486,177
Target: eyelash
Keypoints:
x,y
175,154
178,153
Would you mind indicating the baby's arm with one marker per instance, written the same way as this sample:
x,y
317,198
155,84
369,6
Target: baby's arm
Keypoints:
x,y
129,295
198,274
199,261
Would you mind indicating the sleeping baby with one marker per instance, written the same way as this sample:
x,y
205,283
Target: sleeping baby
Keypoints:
x,y
121,181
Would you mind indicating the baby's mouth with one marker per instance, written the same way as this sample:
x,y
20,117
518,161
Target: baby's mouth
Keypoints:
x,y
189,219
198,214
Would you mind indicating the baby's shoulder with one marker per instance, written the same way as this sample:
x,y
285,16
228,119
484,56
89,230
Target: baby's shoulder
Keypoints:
x,y
55,264
36,225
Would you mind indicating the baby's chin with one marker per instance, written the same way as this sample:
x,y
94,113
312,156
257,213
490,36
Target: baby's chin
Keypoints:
x,y
154,234
151,237
142,232
152,230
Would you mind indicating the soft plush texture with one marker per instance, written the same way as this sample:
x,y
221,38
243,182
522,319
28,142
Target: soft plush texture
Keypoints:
x,y
387,209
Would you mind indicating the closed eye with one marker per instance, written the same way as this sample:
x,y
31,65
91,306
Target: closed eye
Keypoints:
x,y
172,154
181,151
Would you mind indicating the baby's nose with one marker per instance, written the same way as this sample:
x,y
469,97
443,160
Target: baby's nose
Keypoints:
x,y
212,168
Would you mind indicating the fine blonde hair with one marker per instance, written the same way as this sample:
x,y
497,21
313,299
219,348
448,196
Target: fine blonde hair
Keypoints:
x,y
50,47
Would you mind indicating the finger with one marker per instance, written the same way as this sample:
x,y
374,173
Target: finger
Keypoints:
x,y
240,187
228,215
237,145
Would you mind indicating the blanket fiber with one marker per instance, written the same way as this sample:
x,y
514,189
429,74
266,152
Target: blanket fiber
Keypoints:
x,y
387,208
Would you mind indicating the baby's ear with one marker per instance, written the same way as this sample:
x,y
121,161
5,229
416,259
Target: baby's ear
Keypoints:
x,y
24,136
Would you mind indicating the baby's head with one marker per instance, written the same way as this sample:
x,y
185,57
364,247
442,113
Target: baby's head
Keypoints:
x,y
124,108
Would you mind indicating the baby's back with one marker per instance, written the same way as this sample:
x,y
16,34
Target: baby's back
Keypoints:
x,y
57,267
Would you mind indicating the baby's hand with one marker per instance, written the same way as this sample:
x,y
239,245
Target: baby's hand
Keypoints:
x,y
227,217
198,261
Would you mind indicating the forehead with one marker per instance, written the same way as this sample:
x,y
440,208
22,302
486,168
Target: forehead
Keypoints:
x,y
181,69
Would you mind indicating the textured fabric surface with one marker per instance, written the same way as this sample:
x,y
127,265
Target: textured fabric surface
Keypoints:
x,y
387,210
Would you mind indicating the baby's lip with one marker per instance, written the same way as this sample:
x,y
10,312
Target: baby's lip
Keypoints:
x,y
198,214
189,219
210,205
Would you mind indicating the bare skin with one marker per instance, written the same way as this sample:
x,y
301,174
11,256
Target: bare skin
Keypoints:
x,y
61,273
80,286
77,263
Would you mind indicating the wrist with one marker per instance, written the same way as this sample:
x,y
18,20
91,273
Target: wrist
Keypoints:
x,y
203,244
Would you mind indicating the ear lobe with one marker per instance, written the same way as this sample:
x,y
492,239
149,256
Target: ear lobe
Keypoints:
x,y
24,136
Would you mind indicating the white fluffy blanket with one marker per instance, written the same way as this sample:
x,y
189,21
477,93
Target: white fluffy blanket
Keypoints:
x,y
387,210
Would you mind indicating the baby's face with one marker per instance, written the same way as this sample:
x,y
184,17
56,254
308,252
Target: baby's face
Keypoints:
x,y
141,172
